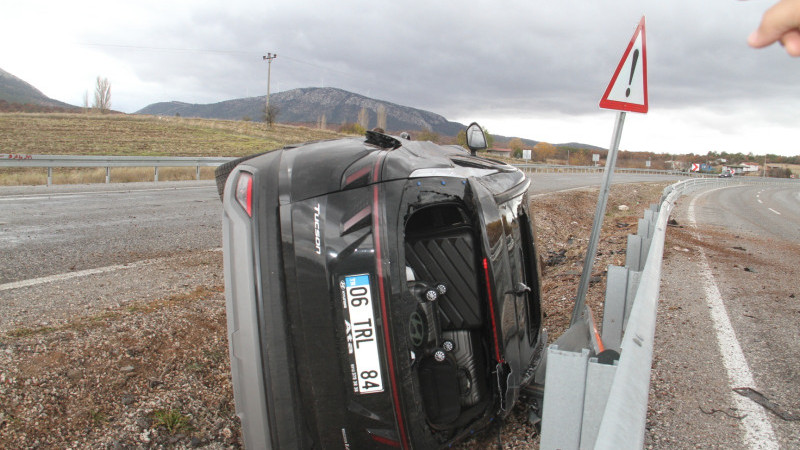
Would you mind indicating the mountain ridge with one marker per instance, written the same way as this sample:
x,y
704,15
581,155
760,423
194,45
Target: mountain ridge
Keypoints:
x,y
16,90
308,105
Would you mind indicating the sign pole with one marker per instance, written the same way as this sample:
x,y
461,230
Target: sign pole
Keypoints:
x,y
602,200
627,91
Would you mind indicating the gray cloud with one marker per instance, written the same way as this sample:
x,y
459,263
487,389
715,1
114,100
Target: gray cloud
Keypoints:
x,y
450,57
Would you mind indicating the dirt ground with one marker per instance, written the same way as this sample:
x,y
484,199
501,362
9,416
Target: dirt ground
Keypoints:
x,y
155,374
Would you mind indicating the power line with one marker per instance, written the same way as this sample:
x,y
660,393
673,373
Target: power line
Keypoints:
x,y
168,49
222,52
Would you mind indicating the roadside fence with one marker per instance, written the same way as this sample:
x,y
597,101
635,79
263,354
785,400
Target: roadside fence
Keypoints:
x,y
54,161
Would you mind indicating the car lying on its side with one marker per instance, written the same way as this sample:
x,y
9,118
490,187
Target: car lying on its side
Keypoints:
x,y
381,292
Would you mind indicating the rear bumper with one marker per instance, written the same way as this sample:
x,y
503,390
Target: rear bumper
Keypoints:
x,y
261,359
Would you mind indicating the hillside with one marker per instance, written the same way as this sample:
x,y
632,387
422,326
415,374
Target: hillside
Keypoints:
x,y
307,105
121,135
15,90
303,106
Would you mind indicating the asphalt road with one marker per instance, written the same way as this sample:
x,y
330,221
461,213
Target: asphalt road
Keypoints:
x,y
62,229
769,211
728,318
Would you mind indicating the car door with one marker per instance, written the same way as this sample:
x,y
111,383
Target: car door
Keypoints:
x,y
524,276
502,300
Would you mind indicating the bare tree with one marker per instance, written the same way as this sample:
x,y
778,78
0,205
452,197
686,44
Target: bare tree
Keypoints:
x,y
271,115
382,117
322,123
363,118
102,95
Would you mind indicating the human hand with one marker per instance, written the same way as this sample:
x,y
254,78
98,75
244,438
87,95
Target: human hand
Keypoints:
x,y
779,23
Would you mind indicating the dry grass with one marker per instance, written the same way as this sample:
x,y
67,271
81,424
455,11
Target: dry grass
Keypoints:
x,y
34,176
123,135
129,135
795,168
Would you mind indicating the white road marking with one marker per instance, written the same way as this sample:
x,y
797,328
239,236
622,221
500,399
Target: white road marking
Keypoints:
x,y
760,201
776,212
40,197
81,273
579,188
84,194
70,275
758,433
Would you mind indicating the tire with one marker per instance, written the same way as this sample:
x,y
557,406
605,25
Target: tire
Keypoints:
x,y
223,170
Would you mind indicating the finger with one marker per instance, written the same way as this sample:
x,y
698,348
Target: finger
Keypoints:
x,y
780,18
791,42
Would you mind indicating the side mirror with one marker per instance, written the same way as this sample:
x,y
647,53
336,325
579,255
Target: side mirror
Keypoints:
x,y
476,139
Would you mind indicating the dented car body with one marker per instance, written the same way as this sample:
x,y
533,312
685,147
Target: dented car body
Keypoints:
x,y
380,292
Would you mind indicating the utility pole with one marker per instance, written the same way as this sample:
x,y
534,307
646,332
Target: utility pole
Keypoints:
x,y
765,165
268,59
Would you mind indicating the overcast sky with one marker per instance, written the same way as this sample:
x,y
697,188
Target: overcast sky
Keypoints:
x,y
533,69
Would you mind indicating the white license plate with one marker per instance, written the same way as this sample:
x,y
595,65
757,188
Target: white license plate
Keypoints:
x,y
362,337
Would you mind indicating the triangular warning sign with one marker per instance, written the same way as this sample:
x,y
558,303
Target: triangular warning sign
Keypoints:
x,y
627,90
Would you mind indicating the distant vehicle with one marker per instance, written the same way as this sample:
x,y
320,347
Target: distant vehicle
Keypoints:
x,y
725,174
381,292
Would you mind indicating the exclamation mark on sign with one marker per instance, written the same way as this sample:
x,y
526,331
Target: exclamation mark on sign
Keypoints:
x,y
633,68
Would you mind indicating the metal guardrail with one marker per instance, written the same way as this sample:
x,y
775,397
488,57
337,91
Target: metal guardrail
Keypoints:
x,y
589,403
555,168
52,161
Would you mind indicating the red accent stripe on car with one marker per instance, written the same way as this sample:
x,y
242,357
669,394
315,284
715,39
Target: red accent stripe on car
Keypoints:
x,y
353,221
361,173
384,441
491,311
384,310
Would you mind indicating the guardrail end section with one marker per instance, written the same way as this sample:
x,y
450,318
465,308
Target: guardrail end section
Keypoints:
x,y
562,409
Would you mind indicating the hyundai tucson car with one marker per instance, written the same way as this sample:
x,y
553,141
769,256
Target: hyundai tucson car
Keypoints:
x,y
381,292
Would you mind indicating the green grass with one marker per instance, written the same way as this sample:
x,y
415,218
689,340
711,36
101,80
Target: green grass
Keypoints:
x,y
173,421
97,417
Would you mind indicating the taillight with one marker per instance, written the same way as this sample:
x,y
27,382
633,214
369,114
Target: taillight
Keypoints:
x,y
244,192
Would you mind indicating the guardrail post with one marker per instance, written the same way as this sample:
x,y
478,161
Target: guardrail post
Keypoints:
x,y
197,170
155,178
599,378
614,308
636,253
49,176
621,286
563,399
108,175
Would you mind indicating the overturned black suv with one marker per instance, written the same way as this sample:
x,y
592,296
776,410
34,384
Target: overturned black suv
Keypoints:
x,y
381,292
